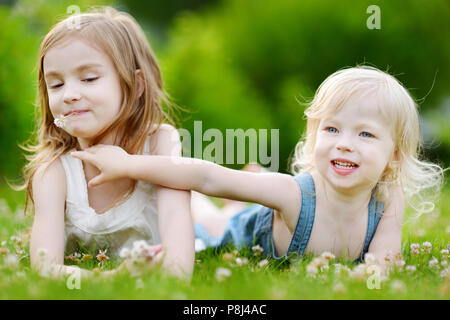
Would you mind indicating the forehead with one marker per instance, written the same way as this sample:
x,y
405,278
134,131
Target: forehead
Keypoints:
x,y
72,53
361,110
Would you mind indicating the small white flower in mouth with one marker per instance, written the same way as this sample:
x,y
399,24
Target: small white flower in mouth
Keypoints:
x,y
60,122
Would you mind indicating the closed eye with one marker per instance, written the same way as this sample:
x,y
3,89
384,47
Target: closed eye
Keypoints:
x,y
56,86
90,79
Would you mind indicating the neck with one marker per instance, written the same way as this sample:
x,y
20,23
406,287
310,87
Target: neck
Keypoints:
x,y
85,143
342,203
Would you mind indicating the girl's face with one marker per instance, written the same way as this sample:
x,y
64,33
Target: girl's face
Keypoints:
x,y
354,146
82,79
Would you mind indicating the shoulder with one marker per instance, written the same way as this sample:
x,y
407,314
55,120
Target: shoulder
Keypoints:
x,y
49,183
50,171
165,141
396,198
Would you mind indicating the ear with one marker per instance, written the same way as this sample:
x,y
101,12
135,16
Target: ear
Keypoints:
x,y
395,161
140,82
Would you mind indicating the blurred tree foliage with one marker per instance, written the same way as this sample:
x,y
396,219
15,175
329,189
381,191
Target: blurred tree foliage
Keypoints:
x,y
246,64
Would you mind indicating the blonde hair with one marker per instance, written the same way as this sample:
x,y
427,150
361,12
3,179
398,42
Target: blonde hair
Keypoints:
x,y
395,103
124,42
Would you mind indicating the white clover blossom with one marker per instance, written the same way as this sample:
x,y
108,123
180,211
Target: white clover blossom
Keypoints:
x,y
444,253
124,253
358,272
370,259
263,263
426,247
327,256
319,262
222,273
415,248
311,270
410,268
11,261
257,250
398,286
433,263
241,261
60,122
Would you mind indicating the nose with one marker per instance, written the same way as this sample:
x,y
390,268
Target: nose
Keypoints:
x,y
71,93
345,145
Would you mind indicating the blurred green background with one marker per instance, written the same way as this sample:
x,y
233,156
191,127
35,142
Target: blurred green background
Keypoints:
x,y
245,63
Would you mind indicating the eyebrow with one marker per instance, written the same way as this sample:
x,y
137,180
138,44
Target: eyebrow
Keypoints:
x,y
78,69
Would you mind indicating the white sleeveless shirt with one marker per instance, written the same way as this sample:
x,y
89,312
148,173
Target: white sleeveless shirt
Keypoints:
x,y
117,228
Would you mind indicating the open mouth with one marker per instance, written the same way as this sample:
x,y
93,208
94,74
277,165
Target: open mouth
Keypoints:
x,y
344,165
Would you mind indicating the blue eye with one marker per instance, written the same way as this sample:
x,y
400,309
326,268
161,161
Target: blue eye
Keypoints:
x,y
369,135
332,128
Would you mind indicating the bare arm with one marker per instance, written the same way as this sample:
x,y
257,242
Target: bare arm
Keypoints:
x,y
47,235
388,235
174,215
274,190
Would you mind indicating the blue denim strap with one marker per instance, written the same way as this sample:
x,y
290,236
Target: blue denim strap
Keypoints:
x,y
305,221
375,213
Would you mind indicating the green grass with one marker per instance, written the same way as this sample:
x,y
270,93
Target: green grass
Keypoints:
x,y
276,280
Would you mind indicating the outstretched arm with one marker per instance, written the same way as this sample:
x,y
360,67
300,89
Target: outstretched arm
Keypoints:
x,y
274,190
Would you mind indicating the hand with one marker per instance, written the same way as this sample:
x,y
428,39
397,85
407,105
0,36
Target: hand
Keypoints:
x,y
141,261
110,160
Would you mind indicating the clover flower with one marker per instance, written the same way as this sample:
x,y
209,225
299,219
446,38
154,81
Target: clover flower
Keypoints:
x,y
358,272
370,259
415,248
398,286
11,261
426,247
241,261
319,262
263,263
101,256
433,263
222,273
60,122
311,270
444,253
124,253
227,257
411,269
257,250
86,257
328,256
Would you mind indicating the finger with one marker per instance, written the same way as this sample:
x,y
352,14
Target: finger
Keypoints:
x,y
96,181
82,155
156,248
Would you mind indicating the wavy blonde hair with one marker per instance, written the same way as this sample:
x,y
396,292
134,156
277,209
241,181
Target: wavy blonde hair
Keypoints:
x,y
415,176
124,42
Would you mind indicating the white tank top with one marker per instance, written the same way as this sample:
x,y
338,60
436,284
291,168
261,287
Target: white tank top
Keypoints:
x,y
117,228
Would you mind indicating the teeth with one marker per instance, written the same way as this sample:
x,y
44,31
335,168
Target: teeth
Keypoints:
x,y
343,165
